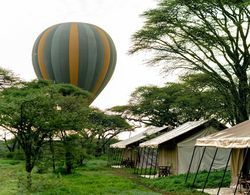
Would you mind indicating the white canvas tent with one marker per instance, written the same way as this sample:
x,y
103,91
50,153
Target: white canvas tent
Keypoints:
x,y
155,142
175,147
126,151
236,138
148,132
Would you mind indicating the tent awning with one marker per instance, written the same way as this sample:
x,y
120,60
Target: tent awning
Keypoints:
x,y
149,131
237,136
186,127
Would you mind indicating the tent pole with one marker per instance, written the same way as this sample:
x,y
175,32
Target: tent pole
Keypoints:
x,y
109,154
196,174
224,172
136,151
148,152
109,157
143,153
119,157
241,171
137,160
152,157
190,164
156,161
122,155
210,169
115,156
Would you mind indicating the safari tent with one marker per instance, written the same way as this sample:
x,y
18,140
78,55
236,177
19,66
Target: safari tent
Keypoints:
x,y
174,148
125,152
237,140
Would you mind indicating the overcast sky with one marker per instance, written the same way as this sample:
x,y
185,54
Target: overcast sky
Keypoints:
x,y
22,21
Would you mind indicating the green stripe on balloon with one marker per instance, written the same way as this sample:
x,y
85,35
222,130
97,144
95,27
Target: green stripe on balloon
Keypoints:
x,y
35,58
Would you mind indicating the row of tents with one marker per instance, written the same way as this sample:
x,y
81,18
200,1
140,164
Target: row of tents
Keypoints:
x,y
191,147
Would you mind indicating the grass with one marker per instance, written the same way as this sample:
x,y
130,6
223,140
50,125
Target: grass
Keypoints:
x,y
177,183
96,178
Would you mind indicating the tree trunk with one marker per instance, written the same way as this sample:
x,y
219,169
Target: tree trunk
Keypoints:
x,y
52,150
69,162
242,104
29,166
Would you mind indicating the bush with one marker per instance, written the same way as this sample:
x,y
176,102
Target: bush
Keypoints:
x,y
16,155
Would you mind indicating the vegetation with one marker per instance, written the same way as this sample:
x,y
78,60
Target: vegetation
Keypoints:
x,y
93,178
193,98
177,183
96,178
204,36
38,111
8,79
30,113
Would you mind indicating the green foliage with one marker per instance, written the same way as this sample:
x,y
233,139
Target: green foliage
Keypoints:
x,y
101,130
94,178
208,36
8,79
36,111
193,98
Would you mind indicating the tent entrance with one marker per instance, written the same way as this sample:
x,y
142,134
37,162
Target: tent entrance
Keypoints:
x,y
246,164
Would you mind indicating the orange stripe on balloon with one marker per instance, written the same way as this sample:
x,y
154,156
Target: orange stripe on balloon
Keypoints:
x,y
73,53
40,53
106,62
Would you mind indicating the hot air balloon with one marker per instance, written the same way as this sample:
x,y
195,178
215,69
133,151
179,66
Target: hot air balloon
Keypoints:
x,y
81,54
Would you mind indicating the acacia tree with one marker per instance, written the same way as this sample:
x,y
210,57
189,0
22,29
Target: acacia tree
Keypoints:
x,y
9,79
209,36
193,98
31,112
150,105
104,127
100,130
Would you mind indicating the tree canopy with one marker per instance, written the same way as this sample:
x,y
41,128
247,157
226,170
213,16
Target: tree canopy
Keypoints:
x,y
208,36
40,110
34,111
8,78
192,98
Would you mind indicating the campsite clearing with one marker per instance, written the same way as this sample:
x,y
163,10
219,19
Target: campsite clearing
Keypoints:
x,y
93,178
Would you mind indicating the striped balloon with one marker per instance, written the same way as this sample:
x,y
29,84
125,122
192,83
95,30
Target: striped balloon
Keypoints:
x,y
78,53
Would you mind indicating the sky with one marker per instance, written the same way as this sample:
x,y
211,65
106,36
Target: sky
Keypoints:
x,y
22,22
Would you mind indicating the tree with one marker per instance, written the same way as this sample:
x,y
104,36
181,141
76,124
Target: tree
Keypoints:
x,y
8,79
105,127
208,36
193,98
35,111
101,129
149,105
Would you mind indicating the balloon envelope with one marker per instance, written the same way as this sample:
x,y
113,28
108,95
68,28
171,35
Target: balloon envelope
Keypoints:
x,y
78,53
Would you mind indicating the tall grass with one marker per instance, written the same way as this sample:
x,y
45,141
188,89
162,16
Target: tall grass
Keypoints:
x,y
93,178
96,178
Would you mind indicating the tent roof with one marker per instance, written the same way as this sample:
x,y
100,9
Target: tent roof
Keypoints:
x,y
186,127
138,137
237,136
